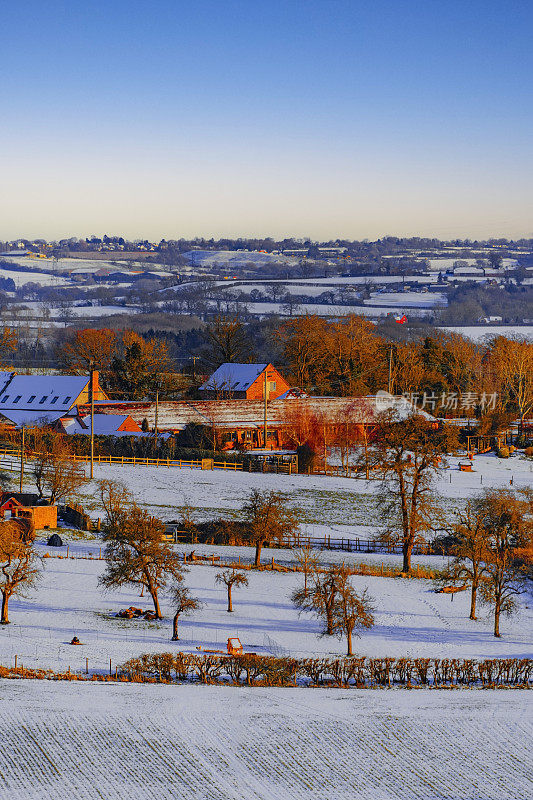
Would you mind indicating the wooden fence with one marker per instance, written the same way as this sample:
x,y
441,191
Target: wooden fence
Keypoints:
x,y
12,459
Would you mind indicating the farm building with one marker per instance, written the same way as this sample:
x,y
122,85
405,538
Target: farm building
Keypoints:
x,y
104,425
43,399
25,507
244,382
241,423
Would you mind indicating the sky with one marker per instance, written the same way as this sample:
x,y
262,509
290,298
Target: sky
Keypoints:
x,y
307,118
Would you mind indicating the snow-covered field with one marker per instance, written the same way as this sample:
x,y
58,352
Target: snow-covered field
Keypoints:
x,y
408,299
411,620
116,741
340,507
35,309
325,310
480,332
42,278
95,741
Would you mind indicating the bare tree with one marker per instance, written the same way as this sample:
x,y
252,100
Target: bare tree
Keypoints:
x,y
267,518
182,602
352,611
115,500
18,563
137,553
468,566
409,453
320,599
230,578
55,471
227,340
308,561
508,524
334,601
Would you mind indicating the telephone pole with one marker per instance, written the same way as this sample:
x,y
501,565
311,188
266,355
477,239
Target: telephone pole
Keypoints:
x,y
265,393
22,459
390,371
91,389
156,417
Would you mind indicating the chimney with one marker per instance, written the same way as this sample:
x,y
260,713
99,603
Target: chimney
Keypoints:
x,y
94,385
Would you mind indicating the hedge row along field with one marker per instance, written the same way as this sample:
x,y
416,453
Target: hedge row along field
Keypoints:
x,y
253,670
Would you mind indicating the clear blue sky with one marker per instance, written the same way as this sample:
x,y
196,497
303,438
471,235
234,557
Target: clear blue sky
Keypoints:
x,y
311,117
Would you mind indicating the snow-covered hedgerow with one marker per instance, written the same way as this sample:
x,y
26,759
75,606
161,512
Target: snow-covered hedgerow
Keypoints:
x,y
254,670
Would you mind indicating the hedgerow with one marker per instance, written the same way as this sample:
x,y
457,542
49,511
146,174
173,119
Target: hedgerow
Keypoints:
x,y
360,672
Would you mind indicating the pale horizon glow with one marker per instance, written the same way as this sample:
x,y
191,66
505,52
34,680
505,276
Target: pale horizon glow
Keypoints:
x,y
318,120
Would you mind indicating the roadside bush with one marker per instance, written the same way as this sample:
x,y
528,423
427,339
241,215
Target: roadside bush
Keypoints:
x,y
503,452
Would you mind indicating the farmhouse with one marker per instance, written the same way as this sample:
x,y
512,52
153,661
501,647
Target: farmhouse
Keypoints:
x,y
245,382
43,399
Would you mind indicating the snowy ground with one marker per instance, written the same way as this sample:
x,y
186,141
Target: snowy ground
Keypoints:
x,y
117,741
334,506
481,332
411,619
42,278
407,299
94,741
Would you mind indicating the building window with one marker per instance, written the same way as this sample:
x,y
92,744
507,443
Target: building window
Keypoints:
x,y
54,400
272,386
17,398
67,400
32,398
5,398
43,399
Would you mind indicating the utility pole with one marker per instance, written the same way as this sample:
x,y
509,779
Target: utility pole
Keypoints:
x,y
390,371
91,388
265,393
22,459
156,416
194,360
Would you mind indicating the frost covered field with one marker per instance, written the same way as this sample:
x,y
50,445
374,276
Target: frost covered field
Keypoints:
x,y
114,741
90,742
411,620
335,506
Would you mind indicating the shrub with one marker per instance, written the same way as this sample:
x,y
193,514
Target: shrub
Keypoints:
x,y
503,452
529,452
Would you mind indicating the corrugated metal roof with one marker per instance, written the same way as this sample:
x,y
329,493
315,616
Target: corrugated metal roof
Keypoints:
x,y
233,377
231,414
